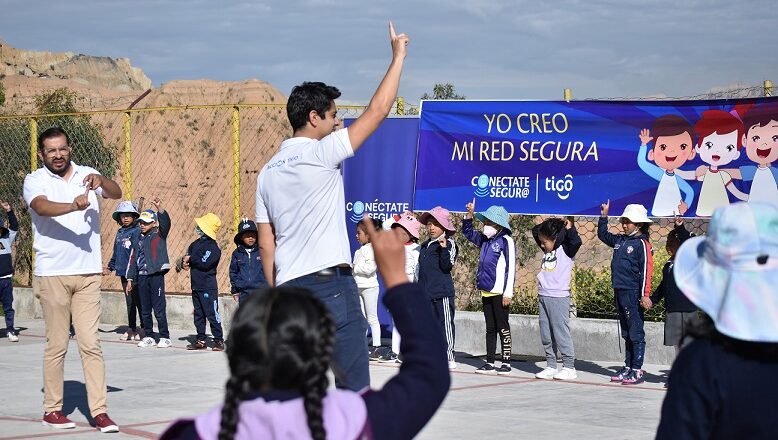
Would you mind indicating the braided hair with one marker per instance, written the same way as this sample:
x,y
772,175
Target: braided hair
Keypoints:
x,y
280,339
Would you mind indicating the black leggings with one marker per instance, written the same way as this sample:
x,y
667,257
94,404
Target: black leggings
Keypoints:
x,y
496,323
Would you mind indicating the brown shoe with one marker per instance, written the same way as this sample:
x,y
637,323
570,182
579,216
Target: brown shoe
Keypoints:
x,y
105,424
218,345
196,345
56,419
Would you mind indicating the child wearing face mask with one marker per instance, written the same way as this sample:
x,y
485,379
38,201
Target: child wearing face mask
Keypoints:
x,y
560,242
496,276
631,268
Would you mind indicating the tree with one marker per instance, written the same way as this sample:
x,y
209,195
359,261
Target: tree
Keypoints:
x,y
442,91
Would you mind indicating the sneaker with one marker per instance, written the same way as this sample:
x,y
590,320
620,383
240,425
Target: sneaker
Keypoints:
x,y
105,424
147,342
452,365
218,345
196,345
389,356
373,354
13,337
620,375
399,359
504,370
547,373
566,374
633,378
56,419
486,369
164,343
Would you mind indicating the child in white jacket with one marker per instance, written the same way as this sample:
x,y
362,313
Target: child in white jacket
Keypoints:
x,y
366,276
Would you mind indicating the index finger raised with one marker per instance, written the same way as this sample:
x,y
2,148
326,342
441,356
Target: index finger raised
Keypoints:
x,y
392,33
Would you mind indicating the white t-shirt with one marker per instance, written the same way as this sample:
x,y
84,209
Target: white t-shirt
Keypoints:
x,y
763,188
668,196
67,244
713,193
300,191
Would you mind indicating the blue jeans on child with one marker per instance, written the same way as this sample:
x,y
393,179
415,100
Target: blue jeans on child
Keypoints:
x,y
631,321
338,291
151,290
7,298
206,305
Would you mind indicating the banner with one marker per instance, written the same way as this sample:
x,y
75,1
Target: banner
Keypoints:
x,y
566,158
378,180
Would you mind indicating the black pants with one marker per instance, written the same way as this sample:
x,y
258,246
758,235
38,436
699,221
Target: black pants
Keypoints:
x,y
496,324
206,305
133,304
7,298
151,290
443,309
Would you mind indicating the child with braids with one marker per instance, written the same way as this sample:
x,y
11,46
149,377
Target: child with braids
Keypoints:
x,y
280,346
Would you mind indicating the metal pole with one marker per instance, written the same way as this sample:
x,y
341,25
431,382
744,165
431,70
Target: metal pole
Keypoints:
x,y
127,158
235,167
568,95
400,105
768,87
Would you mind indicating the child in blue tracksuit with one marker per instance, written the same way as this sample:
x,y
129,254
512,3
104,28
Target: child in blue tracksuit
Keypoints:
x,y
496,276
203,257
631,269
149,263
7,237
436,261
126,215
246,272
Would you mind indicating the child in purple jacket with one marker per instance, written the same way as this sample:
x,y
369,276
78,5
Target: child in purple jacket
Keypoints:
x,y
279,350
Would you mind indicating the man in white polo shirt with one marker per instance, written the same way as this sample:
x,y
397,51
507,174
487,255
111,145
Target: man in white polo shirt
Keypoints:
x,y
65,214
301,208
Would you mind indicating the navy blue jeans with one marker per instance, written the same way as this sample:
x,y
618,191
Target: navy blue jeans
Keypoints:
x,y
339,293
7,298
631,321
206,305
151,290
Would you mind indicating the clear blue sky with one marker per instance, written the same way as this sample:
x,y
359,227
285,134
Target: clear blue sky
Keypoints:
x,y
489,49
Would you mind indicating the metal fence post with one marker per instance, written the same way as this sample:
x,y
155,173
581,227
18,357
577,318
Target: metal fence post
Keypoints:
x,y
768,87
127,158
33,144
235,167
400,105
568,94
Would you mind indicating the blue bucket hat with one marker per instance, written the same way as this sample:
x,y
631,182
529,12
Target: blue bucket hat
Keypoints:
x,y
731,273
125,207
496,214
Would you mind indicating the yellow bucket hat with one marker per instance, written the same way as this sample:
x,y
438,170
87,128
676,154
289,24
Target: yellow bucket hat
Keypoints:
x,y
209,224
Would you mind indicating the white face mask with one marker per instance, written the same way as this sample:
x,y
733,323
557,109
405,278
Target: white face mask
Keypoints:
x,y
490,231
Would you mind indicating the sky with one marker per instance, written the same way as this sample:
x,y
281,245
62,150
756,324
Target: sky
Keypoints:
x,y
488,49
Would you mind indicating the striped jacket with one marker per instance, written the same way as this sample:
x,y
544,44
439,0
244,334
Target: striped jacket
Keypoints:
x,y
497,262
632,262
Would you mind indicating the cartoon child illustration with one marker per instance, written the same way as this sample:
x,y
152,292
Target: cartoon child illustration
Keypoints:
x,y
719,142
761,145
673,147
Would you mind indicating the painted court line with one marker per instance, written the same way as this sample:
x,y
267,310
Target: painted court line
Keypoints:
x,y
53,432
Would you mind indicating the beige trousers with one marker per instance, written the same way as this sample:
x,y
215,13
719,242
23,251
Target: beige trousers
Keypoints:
x,y
62,297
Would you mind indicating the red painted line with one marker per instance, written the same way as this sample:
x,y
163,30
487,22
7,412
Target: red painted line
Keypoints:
x,y
486,385
127,429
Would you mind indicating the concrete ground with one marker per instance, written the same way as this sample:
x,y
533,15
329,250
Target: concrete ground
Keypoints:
x,y
148,388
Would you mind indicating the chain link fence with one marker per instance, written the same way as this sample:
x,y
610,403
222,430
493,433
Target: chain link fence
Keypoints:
x,y
200,159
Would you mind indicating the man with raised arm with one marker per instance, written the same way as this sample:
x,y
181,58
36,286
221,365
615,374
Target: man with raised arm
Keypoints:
x,y
300,207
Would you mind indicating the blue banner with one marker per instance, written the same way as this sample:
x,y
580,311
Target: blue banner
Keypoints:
x,y
566,158
378,180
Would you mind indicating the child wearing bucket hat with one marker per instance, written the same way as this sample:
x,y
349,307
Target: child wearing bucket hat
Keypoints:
x,y
409,228
631,268
203,257
246,274
559,241
126,216
496,276
436,261
148,265
722,384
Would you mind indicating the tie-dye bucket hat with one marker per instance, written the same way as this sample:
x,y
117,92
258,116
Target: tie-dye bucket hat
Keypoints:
x,y
732,273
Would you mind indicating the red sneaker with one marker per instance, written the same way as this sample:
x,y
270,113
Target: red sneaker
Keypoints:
x,y
105,424
56,419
